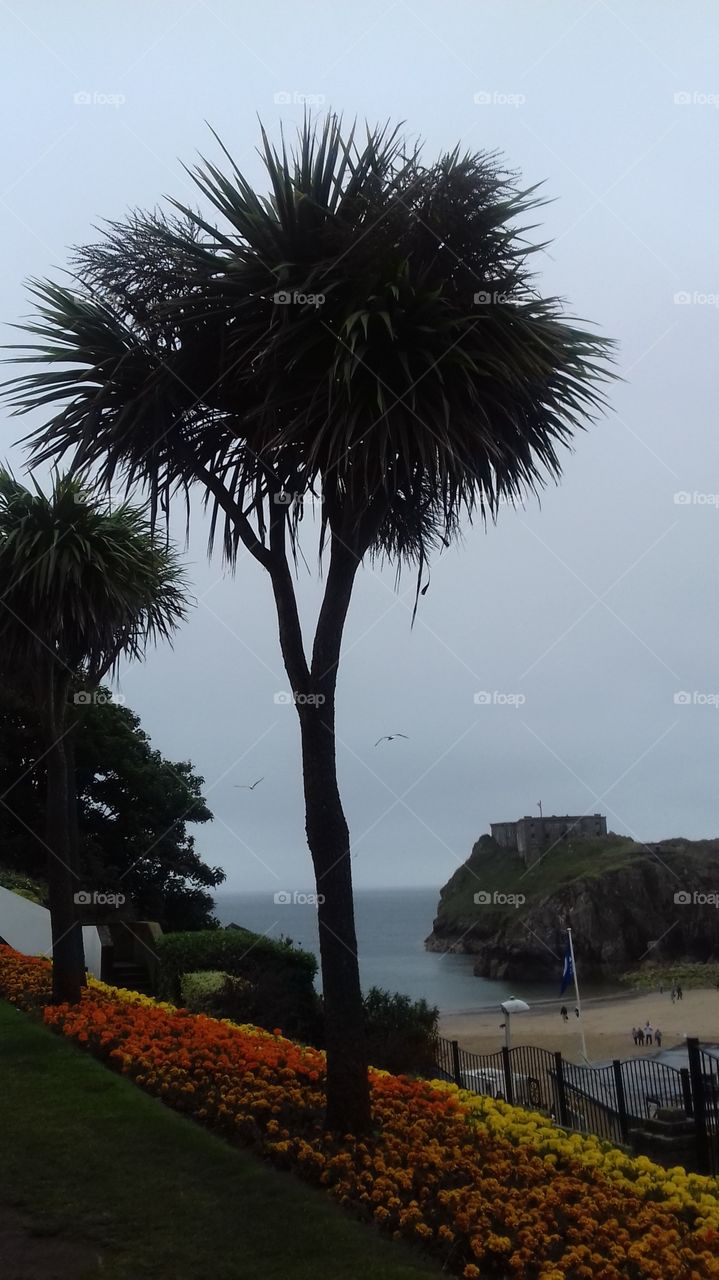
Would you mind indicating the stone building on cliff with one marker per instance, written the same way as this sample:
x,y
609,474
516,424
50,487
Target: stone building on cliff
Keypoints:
x,y
533,837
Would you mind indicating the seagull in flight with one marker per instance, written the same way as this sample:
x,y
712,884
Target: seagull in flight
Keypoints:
x,y
390,737
245,786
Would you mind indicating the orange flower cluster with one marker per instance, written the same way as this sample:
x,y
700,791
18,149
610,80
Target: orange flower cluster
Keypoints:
x,y
24,980
491,1190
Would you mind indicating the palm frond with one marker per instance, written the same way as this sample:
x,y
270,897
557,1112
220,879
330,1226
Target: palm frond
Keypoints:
x,y
370,330
79,583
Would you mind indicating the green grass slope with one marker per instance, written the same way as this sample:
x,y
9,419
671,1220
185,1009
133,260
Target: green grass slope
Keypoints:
x,y
99,1180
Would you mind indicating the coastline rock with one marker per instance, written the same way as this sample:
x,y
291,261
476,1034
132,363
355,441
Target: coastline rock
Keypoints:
x,y
625,902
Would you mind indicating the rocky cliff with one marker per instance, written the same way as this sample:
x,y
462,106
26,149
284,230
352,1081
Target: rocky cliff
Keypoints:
x,y
626,903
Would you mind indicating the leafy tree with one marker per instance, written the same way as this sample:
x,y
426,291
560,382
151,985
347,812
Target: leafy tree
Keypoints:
x,y
80,586
401,1033
368,333
134,807
134,811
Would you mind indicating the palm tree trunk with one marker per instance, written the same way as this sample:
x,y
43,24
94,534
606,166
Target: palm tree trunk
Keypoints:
x,y
68,972
74,832
348,1097
348,1102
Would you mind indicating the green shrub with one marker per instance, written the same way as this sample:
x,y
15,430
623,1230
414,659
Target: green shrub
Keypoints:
x,y
685,973
401,1033
221,995
24,886
277,979
195,988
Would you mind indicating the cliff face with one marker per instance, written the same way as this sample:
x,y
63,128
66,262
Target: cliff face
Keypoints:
x,y
619,898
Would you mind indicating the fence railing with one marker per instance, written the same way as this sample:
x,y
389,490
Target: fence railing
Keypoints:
x,y
608,1101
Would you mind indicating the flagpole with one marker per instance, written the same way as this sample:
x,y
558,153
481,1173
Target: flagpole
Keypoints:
x,y
576,992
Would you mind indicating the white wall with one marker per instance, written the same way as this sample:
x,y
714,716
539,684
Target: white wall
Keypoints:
x,y
25,926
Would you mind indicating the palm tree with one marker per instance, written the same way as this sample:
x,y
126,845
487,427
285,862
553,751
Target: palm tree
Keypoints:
x,y
80,586
368,334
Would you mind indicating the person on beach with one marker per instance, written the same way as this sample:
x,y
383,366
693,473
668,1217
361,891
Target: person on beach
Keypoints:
x,y
640,1036
674,994
658,1038
680,993
565,1015
648,1032
635,1035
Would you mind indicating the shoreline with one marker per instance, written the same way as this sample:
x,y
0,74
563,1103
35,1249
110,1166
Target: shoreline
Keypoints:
x,y
546,1004
607,1022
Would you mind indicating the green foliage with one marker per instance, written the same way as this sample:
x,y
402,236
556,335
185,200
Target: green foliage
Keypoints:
x,y
23,885
197,987
81,581
490,867
686,974
400,1032
224,995
277,987
431,380
154,1197
134,808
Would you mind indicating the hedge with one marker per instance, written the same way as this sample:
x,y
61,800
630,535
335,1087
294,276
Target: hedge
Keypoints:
x,y
281,976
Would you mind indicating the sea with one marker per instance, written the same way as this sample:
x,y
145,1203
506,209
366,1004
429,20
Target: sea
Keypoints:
x,y
392,925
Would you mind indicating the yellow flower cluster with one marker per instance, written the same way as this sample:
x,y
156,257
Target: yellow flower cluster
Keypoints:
x,y
677,1188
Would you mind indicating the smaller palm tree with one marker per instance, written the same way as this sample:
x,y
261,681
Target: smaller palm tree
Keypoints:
x,y
81,586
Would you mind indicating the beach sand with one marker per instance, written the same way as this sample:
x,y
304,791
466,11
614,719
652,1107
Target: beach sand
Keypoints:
x,y
608,1022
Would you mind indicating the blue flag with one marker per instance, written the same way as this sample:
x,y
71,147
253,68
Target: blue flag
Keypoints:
x,y
567,970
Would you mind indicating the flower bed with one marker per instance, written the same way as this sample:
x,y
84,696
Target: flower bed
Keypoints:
x,y
492,1190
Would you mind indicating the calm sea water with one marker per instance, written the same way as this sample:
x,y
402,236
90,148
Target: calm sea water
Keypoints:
x,y
391,927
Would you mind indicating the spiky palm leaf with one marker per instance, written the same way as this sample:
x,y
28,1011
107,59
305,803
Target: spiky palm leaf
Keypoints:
x,y
401,399
79,584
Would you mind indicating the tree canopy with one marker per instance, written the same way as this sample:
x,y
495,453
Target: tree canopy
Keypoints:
x,y
369,332
135,808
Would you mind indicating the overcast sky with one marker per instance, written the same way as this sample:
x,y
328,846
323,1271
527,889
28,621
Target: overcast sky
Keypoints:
x,y
595,611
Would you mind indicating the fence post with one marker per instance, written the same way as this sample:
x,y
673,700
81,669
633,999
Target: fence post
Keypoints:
x,y
700,1117
686,1091
621,1100
508,1087
455,1064
561,1095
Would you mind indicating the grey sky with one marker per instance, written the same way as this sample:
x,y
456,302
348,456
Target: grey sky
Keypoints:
x,y
597,609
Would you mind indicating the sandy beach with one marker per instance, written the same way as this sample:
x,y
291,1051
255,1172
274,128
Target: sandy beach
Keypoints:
x,y
608,1022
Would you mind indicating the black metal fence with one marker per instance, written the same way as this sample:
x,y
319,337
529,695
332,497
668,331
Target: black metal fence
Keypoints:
x,y
608,1101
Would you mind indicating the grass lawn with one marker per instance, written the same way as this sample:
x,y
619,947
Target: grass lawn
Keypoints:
x,y
97,1179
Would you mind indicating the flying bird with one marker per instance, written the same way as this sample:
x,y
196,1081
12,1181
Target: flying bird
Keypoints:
x,y
248,786
390,737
